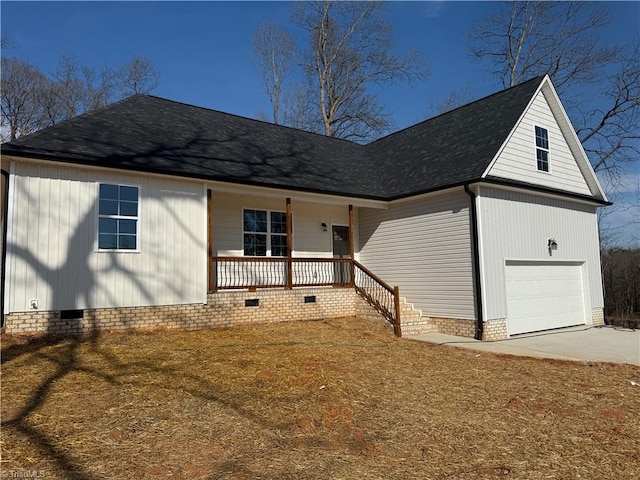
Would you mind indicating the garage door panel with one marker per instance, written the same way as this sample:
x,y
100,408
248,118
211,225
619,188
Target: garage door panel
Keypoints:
x,y
542,296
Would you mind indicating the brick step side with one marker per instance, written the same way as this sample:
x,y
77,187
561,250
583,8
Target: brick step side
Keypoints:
x,y
412,321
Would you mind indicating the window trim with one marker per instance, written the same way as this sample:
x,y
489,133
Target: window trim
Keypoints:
x,y
268,233
98,216
540,148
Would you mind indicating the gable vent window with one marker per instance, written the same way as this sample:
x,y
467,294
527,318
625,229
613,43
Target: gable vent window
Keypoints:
x,y
265,233
117,217
542,149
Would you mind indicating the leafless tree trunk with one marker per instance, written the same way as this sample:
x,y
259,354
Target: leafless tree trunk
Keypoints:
x,y
274,53
349,50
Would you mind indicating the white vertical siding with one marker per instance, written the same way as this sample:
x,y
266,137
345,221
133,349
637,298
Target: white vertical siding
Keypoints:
x,y
424,247
517,161
516,226
52,233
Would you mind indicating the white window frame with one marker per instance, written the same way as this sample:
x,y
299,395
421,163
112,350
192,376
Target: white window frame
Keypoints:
x,y
268,233
117,217
541,148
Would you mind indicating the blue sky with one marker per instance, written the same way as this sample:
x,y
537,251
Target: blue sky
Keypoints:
x,y
203,49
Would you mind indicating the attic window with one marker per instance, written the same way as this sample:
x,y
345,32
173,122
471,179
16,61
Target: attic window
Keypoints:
x,y
542,149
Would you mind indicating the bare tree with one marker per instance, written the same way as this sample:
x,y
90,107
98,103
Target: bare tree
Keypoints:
x,y
53,109
73,89
529,38
22,85
99,87
31,100
69,89
350,50
621,278
300,109
451,101
139,75
274,53
610,133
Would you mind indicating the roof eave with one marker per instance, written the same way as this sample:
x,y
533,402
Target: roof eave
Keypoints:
x,y
505,183
98,163
546,190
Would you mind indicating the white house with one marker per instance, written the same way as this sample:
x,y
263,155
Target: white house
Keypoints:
x,y
155,213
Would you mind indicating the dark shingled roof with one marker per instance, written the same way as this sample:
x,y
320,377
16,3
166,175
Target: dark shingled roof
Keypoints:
x,y
453,148
147,133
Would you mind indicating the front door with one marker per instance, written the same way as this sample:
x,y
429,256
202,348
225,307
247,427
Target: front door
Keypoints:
x,y
340,236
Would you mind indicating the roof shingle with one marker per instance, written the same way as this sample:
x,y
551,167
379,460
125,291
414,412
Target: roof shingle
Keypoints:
x,y
147,133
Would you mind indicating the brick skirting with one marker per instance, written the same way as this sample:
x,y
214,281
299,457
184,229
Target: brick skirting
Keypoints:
x,y
495,329
223,309
228,308
454,326
597,316
492,330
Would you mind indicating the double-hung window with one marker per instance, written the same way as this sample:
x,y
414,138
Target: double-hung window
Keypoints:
x,y
117,217
542,149
264,233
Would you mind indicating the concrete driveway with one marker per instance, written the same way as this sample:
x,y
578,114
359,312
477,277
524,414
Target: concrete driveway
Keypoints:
x,y
583,343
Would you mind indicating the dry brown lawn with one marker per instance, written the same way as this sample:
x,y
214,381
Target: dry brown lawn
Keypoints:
x,y
339,399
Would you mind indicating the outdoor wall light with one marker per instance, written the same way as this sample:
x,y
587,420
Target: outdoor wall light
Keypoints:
x,y
552,244
324,226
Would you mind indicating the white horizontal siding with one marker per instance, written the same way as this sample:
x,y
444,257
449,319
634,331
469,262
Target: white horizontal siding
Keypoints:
x,y
308,238
516,226
517,161
423,247
52,234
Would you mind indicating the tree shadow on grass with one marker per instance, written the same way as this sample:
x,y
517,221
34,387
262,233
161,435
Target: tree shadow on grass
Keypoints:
x,y
67,356
65,362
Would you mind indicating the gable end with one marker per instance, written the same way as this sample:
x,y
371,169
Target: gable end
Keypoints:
x,y
560,164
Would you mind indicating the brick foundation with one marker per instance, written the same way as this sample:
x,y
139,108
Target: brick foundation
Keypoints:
x,y
597,316
454,326
223,309
495,329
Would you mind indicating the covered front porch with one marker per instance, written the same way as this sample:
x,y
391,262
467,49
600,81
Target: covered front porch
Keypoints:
x,y
265,242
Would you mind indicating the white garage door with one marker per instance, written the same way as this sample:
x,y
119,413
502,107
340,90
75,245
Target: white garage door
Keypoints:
x,y
544,295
